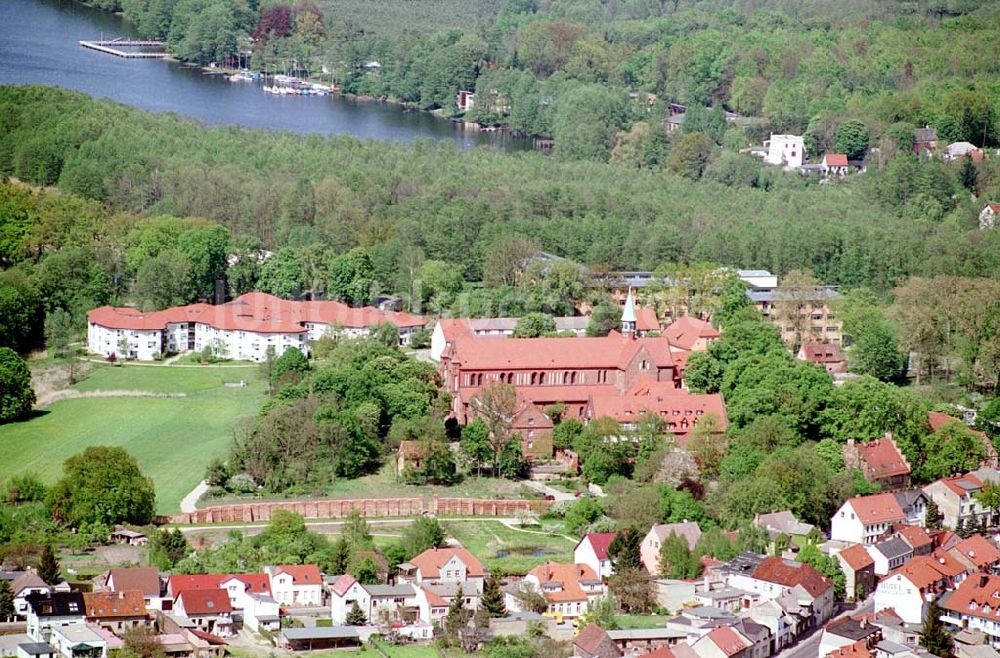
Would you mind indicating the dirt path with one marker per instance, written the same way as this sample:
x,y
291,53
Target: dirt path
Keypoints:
x,y
190,502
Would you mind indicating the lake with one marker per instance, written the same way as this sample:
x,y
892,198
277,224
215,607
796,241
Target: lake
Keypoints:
x,y
39,45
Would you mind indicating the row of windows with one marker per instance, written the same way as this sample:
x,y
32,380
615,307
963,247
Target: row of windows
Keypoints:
x,y
534,378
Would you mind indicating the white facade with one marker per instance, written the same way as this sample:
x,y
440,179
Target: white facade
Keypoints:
x,y
287,591
378,601
139,344
260,612
584,553
847,526
787,150
64,638
902,595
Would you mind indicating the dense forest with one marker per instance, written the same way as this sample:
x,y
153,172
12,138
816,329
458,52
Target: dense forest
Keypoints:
x,y
544,66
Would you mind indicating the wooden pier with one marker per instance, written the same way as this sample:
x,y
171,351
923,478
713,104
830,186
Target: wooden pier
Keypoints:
x,y
113,47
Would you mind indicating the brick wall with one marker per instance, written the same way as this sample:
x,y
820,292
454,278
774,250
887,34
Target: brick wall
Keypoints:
x,y
368,507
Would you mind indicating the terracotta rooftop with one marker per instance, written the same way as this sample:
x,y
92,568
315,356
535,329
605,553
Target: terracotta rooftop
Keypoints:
x,y
204,601
342,584
302,574
600,541
686,330
877,508
836,159
821,353
182,583
568,576
858,649
977,596
144,579
728,640
883,458
790,573
915,536
590,638
978,550
680,410
645,319
109,605
857,557
430,561
923,571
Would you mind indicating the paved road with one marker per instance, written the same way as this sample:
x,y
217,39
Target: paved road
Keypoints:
x,y
190,502
809,647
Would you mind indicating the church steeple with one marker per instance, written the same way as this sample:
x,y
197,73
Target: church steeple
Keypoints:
x,y
628,315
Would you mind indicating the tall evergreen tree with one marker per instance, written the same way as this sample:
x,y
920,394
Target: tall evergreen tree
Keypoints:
x,y
933,516
456,619
492,600
624,550
355,616
933,635
48,566
6,601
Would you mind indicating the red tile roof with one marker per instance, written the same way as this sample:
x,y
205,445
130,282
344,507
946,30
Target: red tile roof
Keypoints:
x,y
821,353
204,601
978,550
255,311
728,640
878,508
883,458
208,637
430,561
857,650
181,583
611,352
980,590
923,571
569,575
110,605
590,638
256,583
434,599
600,541
835,159
645,319
680,409
342,584
302,574
915,536
790,573
857,557
962,485
661,652
685,331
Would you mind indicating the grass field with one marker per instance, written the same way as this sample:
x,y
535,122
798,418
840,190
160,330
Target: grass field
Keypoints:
x,y
173,438
510,550
641,621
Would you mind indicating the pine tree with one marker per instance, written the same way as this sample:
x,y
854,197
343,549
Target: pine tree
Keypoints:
x,y
933,635
965,529
933,517
355,617
492,600
6,601
456,618
48,566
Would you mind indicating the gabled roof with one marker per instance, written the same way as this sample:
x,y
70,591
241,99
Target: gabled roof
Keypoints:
x,y
433,598
821,353
680,410
254,583
342,584
978,550
611,352
858,649
28,580
961,485
600,541
728,640
689,530
645,319
915,536
302,574
686,330
57,604
835,159
591,638
883,458
109,605
182,583
878,508
430,561
922,571
144,579
568,576
783,521
977,596
857,557
204,601
892,548
789,573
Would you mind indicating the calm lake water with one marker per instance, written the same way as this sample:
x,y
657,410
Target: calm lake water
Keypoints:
x,y
39,45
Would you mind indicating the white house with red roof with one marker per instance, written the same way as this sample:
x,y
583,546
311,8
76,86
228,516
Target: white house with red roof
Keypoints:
x,y
956,497
975,605
881,461
775,576
442,565
567,588
834,164
909,589
863,519
241,329
207,609
723,642
377,602
649,549
592,550
859,572
988,216
296,584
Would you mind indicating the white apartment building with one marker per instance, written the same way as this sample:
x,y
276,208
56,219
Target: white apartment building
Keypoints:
x,y
787,150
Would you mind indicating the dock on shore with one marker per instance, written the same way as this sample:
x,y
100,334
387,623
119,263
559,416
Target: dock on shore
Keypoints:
x,y
114,46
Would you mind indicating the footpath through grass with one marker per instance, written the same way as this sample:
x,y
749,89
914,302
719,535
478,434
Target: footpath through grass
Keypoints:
x,y
172,437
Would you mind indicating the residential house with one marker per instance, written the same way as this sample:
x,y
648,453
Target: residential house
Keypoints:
x,y
924,141
956,500
691,334
246,328
864,519
649,550
988,216
23,585
129,537
55,610
142,579
592,550
465,100
894,629
239,586
567,588
783,617
296,584
975,605
834,164
79,641
680,410
890,553
977,553
116,611
377,602
827,355
859,571
442,565
635,641
775,576
208,610
787,150
959,150
918,538
724,642
845,631
880,461
183,582
858,649
593,642
909,589
782,523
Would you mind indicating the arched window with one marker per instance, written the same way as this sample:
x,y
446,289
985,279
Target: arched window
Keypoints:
x,y
534,377
572,377
541,378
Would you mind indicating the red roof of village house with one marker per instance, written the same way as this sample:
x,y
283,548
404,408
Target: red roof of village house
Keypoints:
x,y
685,331
877,508
978,550
915,536
569,575
434,599
857,557
613,351
883,458
675,408
144,579
790,573
255,311
659,652
923,571
857,650
962,485
342,584
302,574
204,601
430,561
600,541
981,590
182,583
948,564
821,353
835,159
256,583
728,640
108,605
590,638
645,319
